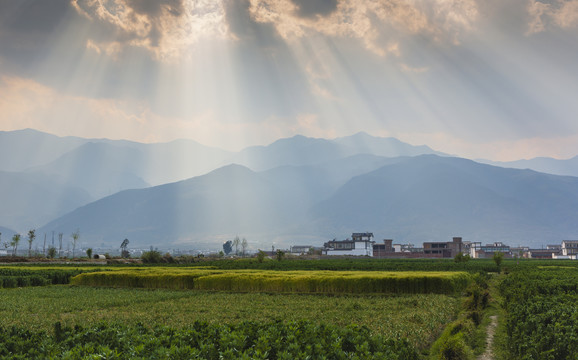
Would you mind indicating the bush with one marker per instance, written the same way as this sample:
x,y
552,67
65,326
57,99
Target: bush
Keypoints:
x,y
152,257
451,345
280,255
260,256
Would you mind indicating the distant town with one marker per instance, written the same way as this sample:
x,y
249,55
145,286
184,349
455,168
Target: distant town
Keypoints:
x,y
363,244
360,244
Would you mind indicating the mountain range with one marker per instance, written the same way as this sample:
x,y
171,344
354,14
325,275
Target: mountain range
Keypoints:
x,y
297,190
568,167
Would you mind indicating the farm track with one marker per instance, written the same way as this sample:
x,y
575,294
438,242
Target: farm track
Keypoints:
x,y
488,354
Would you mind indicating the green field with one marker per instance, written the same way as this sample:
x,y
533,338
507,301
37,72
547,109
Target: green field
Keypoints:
x,y
251,313
541,307
360,309
416,317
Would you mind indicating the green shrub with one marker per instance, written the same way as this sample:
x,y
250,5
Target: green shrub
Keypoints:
x,y
260,256
152,257
451,345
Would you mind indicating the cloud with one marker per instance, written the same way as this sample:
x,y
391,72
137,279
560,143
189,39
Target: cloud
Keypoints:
x,y
167,28
28,104
416,70
562,14
313,8
376,22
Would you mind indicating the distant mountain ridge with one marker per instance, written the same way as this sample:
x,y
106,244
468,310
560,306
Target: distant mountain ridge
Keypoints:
x,y
297,189
30,201
411,199
301,150
568,167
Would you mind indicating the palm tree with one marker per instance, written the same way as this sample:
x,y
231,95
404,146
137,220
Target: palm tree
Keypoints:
x,y
75,235
31,237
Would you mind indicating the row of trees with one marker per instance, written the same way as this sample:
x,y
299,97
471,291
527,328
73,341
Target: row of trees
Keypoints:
x,y
236,242
16,238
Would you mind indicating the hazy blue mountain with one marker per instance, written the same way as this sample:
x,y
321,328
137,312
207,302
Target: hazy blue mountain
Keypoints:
x,y
301,150
567,167
363,143
434,198
101,169
22,149
294,151
409,199
232,199
313,183
228,201
178,160
30,201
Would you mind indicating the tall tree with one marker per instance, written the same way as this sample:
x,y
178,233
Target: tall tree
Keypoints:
x,y
124,249
236,243
15,240
244,245
31,237
60,235
75,235
227,247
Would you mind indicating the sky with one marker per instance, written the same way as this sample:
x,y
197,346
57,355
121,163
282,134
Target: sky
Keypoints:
x,y
486,79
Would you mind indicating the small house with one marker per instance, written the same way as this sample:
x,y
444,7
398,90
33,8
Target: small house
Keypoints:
x,y
360,244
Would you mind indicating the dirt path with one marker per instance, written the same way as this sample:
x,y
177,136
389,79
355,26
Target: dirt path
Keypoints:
x,y
488,355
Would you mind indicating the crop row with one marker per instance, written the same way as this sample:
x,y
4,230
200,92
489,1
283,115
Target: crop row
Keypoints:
x,y
281,281
248,340
542,316
11,277
359,263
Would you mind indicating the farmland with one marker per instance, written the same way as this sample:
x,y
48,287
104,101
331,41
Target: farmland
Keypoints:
x,y
541,313
244,310
392,314
415,317
331,282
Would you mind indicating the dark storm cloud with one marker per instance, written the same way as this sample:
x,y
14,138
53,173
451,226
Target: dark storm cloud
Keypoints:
x,y
39,17
27,31
154,7
312,8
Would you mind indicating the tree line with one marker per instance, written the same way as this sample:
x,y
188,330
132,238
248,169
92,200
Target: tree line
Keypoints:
x,y
52,251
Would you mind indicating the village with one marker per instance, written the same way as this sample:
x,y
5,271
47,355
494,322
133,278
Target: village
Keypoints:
x,y
363,244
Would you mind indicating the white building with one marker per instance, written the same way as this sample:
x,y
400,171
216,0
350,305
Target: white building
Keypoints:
x,y
359,245
570,248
